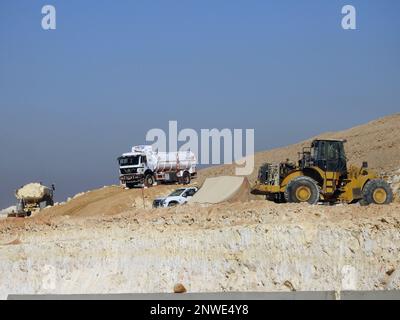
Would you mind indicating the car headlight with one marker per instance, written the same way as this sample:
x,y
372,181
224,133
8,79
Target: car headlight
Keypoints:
x,y
140,170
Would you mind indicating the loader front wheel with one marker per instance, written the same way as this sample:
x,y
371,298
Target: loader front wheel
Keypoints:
x,y
302,189
376,191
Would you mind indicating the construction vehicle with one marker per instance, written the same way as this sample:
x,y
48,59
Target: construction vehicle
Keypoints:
x,y
31,198
322,175
144,166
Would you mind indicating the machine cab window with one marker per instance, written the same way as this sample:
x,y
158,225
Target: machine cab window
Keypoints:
x,y
329,155
129,161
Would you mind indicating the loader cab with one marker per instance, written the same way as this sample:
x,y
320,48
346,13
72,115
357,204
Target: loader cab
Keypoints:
x,y
328,155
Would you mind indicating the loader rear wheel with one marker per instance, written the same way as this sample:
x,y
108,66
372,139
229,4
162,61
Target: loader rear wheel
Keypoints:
x,y
376,191
302,189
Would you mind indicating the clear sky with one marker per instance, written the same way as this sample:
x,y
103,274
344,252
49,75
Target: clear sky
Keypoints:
x,y
73,99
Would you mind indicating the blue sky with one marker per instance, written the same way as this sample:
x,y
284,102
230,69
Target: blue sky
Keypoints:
x,y
74,98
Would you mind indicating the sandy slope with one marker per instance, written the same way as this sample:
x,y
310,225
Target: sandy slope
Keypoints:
x,y
376,142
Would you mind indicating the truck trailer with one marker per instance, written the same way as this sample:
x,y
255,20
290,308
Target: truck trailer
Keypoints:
x,y
144,166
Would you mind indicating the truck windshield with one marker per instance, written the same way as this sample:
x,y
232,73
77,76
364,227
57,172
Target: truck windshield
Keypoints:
x,y
177,193
129,161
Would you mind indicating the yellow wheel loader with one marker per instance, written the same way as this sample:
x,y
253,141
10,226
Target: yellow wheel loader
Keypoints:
x,y
322,175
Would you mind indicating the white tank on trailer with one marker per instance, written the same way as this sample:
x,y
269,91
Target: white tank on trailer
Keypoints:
x,y
170,161
144,165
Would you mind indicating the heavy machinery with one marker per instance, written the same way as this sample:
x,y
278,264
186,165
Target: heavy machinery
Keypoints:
x,y
322,175
31,198
144,166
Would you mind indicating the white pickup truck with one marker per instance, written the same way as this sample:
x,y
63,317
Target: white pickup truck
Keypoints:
x,y
179,196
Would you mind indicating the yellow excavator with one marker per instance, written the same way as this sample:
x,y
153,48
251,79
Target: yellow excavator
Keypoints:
x,y
322,175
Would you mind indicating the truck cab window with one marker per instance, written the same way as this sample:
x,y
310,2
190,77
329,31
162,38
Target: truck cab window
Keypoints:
x,y
129,161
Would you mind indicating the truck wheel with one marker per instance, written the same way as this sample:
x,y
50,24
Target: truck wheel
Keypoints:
x,y
186,178
376,191
148,180
302,189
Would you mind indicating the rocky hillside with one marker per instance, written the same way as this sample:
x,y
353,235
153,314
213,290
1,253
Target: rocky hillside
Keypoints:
x,y
376,142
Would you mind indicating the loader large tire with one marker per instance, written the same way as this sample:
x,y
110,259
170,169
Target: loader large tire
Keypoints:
x,y
302,189
376,191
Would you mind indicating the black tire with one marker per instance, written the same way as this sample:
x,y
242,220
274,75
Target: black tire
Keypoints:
x,y
376,191
172,204
186,178
295,188
148,180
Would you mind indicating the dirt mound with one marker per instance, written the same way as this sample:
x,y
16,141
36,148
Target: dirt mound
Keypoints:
x,y
223,189
376,142
108,201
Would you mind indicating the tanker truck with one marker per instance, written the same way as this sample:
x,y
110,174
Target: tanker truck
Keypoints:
x,y
144,166
32,197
